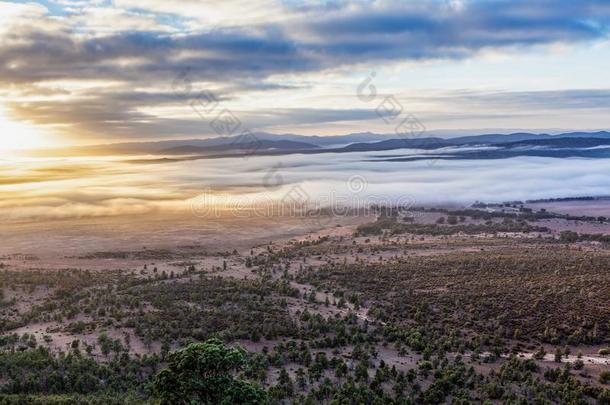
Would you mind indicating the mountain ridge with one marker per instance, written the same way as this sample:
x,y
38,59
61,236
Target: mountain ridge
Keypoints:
x,y
361,141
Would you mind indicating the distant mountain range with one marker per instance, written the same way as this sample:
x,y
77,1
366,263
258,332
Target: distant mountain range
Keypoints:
x,y
261,143
254,145
510,141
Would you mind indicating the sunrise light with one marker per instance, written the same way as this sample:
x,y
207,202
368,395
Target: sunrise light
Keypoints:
x,y
18,135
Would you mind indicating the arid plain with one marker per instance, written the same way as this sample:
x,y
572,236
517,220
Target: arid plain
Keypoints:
x,y
398,297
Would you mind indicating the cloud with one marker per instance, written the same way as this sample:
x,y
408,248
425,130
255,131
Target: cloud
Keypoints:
x,y
398,30
113,188
106,20
239,48
527,100
200,15
129,119
364,33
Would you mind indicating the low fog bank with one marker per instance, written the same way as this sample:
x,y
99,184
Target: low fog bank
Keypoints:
x,y
77,188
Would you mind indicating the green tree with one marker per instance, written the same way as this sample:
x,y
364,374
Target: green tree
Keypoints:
x,y
203,373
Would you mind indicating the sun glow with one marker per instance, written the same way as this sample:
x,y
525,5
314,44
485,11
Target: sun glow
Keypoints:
x,y
17,135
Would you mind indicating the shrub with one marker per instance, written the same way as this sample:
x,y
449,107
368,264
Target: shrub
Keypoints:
x,y
203,373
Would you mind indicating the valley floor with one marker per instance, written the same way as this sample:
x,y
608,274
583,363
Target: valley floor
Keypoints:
x,y
421,306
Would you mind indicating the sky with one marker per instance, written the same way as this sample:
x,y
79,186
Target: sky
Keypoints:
x,y
83,72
